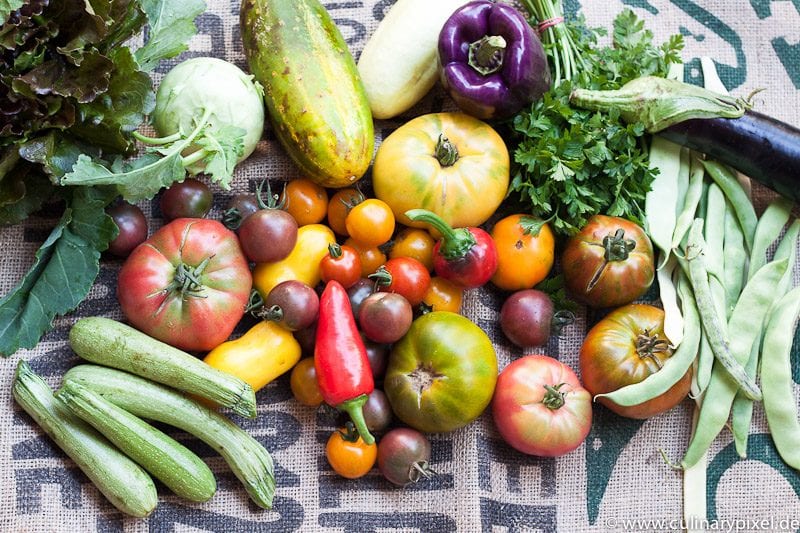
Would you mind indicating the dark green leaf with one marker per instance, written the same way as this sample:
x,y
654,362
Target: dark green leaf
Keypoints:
x,y
63,272
171,27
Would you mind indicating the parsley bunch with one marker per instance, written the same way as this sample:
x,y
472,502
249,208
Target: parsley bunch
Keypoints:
x,y
569,163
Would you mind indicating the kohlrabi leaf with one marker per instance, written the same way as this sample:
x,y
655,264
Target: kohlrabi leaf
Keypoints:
x,y
224,146
63,271
140,180
171,27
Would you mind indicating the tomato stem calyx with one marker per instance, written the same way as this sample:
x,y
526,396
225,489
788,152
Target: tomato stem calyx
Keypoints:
x,y
274,201
554,398
648,345
445,152
419,470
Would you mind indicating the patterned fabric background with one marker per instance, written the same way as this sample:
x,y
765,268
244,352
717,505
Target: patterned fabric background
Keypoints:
x,y
617,475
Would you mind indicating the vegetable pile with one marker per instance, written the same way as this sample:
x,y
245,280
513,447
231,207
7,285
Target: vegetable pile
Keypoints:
x,y
357,298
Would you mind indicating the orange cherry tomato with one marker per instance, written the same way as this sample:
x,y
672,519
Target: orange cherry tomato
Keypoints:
x,y
443,295
371,222
342,264
416,243
525,252
339,206
306,201
303,382
371,257
349,455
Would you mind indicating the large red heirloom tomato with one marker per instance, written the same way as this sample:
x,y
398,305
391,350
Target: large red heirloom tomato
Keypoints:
x,y
540,407
187,285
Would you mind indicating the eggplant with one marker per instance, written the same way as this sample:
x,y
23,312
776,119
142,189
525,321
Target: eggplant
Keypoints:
x,y
756,145
721,126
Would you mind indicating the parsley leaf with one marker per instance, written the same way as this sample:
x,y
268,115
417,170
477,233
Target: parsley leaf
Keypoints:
x,y
570,163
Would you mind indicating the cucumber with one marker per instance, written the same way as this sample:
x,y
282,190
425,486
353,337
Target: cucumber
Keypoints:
x,y
247,458
173,464
124,483
110,343
312,90
400,62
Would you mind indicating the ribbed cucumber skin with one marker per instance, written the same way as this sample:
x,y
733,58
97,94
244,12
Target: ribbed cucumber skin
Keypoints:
x,y
312,90
124,483
111,343
247,458
173,464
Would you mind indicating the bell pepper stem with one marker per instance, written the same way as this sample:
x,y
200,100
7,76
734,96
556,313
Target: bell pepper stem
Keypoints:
x,y
486,54
455,242
354,408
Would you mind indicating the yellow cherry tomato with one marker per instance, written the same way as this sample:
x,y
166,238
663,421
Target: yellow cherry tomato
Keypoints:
x,y
371,222
416,243
349,455
259,356
525,252
306,201
302,264
371,256
443,295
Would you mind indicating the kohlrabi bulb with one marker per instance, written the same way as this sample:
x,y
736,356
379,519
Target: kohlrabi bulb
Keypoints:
x,y
209,84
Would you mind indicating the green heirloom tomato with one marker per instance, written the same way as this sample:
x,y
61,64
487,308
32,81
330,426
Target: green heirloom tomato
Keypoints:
x,y
442,373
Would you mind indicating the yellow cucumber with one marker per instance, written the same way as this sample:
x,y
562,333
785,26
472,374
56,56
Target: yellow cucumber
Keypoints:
x,y
312,90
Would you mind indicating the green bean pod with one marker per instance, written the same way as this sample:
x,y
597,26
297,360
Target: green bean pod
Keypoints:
x,y
727,181
776,374
746,323
691,201
768,229
675,367
708,314
735,260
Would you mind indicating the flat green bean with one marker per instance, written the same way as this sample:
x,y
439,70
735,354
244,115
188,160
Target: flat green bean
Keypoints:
x,y
662,199
673,318
742,409
705,362
776,374
683,180
754,303
735,260
714,232
691,201
787,248
768,229
734,192
698,275
675,367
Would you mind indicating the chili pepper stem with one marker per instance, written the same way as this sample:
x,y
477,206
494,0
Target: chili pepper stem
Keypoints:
x,y
455,242
354,408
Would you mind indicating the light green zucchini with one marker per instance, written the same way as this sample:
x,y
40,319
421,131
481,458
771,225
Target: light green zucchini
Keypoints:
x,y
247,458
117,477
110,343
173,464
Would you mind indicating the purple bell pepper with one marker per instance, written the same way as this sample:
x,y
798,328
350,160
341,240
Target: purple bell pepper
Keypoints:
x,y
493,63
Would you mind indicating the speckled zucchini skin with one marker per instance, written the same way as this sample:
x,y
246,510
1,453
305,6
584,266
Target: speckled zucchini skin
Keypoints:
x,y
313,93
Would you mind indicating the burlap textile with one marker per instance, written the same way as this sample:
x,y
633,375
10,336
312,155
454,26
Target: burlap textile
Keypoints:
x,y
618,474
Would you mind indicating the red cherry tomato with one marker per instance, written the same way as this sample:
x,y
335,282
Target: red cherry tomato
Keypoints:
x,y
406,276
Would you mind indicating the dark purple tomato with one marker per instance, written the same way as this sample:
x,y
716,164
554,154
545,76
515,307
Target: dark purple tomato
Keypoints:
x,y
403,456
292,304
385,317
378,355
188,199
377,411
358,291
132,226
307,338
526,318
239,207
268,235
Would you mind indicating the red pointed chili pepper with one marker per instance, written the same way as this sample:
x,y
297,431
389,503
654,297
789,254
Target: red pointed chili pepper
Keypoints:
x,y
465,256
343,371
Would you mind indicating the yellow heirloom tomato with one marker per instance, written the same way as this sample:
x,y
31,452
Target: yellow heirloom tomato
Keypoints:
x,y
450,163
259,356
302,264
